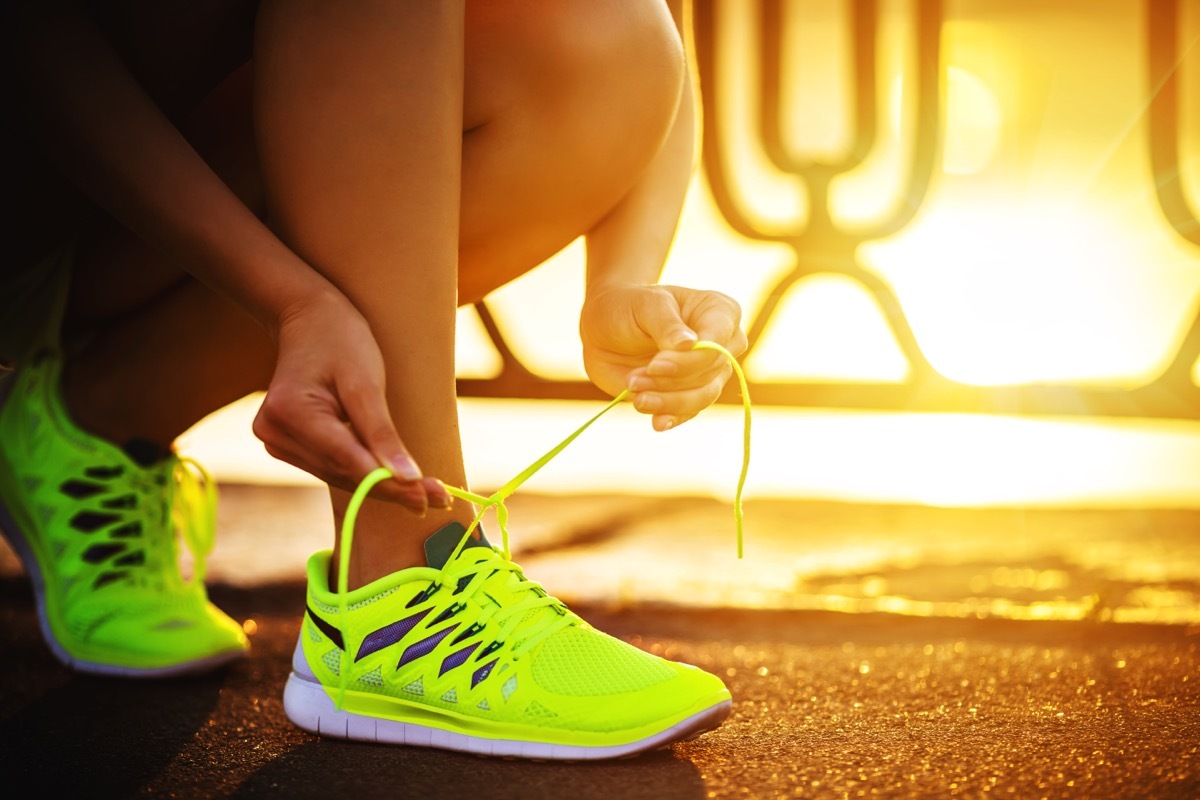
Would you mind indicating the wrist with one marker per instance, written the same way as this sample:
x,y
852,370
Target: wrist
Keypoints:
x,y
596,288
321,298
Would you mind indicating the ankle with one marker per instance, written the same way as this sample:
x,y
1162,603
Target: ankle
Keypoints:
x,y
389,538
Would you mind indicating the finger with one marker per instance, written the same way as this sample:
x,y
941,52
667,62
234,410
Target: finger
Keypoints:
x,y
680,405
685,366
641,381
372,421
665,422
659,316
717,319
436,492
324,447
411,495
369,416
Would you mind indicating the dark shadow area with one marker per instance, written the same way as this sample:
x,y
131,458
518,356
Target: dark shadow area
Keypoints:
x,y
74,735
325,768
826,704
92,737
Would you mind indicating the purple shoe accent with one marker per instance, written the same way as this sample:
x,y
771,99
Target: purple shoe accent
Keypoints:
x,y
425,646
483,672
389,634
457,659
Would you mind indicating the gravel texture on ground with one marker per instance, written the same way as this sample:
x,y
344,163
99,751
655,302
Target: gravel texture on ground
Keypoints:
x,y
826,705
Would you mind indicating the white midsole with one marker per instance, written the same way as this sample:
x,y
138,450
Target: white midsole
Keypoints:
x,y
308,705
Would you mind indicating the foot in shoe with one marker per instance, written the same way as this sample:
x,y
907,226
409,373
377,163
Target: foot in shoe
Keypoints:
x,y
467,654
97,528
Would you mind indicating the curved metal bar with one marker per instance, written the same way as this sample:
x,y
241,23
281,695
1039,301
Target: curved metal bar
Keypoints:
x,y
820,247
1162,75
773,27
1056,399
511,367
713,153
928,137
865,24
1162,51
766,310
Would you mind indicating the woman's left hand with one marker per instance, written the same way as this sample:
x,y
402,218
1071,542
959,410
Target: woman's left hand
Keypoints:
x,y
640,338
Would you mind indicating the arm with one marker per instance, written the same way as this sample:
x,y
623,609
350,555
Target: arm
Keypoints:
x,y
106,134
98,124
637,334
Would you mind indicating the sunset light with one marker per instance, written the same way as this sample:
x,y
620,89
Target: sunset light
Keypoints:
x,y
1038,256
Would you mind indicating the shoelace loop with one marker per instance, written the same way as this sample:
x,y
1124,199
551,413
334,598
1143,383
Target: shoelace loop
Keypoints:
x,y
496,500
534,596
193,502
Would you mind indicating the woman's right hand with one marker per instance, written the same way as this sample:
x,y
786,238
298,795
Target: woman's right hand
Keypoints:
x,y
325,410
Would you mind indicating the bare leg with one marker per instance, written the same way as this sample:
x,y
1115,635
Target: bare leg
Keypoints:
x,y
563,108
542,141
359,115
161,350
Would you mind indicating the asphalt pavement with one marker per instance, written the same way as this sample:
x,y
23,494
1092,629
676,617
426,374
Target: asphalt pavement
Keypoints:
x,y
929,702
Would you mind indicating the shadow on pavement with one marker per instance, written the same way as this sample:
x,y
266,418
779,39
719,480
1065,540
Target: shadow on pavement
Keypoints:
x,y
318,768
94,737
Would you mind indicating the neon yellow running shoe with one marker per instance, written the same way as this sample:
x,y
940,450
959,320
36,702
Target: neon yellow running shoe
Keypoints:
x,y
467,654
96,531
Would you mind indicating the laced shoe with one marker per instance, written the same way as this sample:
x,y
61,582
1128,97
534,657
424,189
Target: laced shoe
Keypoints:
x,y
467,654
97,533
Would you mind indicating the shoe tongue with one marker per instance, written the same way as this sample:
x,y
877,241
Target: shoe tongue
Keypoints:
x,y
441,543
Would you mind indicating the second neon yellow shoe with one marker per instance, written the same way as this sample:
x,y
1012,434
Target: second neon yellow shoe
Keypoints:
x,y
98,531
467,654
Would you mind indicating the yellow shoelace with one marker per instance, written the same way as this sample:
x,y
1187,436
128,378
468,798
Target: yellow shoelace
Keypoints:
x,y
496,499
193,505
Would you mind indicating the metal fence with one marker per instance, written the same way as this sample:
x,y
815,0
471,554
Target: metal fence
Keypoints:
x,y
819,245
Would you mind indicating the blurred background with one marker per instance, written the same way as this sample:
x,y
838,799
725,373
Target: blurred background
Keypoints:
x,y
965,239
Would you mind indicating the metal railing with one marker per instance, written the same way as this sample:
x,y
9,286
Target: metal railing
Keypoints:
x,y
819,245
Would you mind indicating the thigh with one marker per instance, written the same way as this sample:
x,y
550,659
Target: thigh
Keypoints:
x,y
565,104
180,52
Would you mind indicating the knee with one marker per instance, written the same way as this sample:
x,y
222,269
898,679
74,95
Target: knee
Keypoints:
x,y
631,45
615,66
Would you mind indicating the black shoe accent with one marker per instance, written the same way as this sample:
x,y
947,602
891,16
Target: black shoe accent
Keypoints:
x,y
104,473
331,633
80,490
89,521
102,552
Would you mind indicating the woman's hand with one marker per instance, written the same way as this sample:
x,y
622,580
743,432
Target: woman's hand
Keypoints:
x,y
640,338
325,410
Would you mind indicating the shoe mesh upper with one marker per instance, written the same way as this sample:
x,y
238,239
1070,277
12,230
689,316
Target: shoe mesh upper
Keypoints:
x,y
580,662
100,530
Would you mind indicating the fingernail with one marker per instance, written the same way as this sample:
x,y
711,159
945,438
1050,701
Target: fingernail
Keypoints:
x,y
662,366
416,500
648,402
404,467
668,424
686,338
640,384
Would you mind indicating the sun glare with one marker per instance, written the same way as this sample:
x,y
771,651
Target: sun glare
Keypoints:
x,y
1039,254
1024,292
828,328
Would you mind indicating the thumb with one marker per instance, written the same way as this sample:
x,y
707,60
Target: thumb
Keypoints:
x,y
661,319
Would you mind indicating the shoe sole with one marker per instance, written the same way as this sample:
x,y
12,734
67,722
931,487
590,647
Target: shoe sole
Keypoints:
x,y
15,537
308,705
